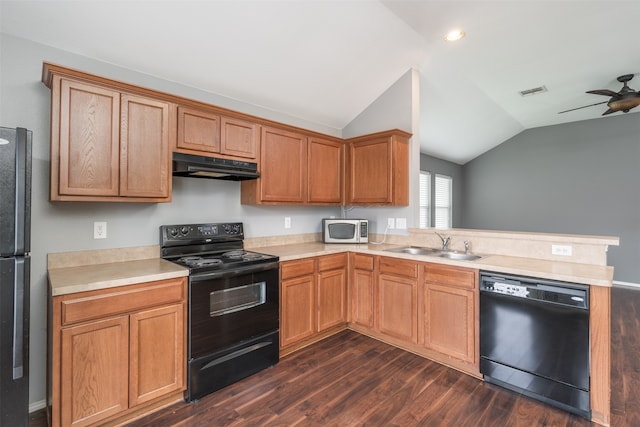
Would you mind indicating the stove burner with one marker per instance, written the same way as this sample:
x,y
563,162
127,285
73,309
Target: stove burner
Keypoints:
x,y
237,254
198,261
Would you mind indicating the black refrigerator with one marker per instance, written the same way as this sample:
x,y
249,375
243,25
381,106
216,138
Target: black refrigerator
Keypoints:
x,y
15,262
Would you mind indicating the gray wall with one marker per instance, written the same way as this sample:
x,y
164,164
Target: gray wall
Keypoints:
x,y
576,178
455,171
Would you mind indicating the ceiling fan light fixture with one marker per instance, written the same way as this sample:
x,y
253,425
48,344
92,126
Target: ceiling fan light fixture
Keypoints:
x,y
454,35
624,104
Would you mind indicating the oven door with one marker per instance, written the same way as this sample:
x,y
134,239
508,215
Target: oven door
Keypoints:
x,y
231,306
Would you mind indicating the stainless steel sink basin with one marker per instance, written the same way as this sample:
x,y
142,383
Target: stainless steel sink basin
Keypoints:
x,y
460,256
416,250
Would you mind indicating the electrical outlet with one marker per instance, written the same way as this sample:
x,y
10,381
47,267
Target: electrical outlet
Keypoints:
x,y
401,223
564,250
287,222
391,223
100,230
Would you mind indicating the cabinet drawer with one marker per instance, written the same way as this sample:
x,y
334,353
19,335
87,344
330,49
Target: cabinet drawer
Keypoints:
x,y
363,262
398,267
332,262
453,276
291,269
121,300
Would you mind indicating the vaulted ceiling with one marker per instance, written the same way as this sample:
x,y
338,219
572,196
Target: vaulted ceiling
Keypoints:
x,y
326,61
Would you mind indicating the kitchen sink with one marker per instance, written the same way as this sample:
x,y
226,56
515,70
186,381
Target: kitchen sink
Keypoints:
x,y
416,250
460,256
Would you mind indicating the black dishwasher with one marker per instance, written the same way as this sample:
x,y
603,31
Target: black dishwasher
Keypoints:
x,y
534,338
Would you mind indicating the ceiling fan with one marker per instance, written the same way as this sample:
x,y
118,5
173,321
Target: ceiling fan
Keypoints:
x,y
624,100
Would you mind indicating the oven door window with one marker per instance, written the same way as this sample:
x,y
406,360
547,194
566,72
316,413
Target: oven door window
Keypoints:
x,y
228,301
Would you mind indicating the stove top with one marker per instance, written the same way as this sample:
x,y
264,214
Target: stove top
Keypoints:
x,y
208,247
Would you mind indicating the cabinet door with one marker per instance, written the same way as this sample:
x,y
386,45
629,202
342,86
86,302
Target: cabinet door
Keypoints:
x,y
145,163
156,353
283,166
325,167
298,307
198,130
398,307
449,321
332,298
94,371
85,147
239,138
370,172
361,290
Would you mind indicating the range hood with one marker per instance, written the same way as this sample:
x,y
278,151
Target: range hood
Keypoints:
x,y
195,166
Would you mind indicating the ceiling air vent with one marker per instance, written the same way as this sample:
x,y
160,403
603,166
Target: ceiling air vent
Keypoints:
x,y
533,91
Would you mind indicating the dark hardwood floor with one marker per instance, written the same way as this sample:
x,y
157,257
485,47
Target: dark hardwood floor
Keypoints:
x,y
353,380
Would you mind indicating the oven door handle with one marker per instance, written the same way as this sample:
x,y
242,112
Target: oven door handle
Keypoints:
x,y
233,272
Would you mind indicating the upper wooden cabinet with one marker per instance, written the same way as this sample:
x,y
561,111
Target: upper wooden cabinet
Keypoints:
x,y
107,144
325,165
378,169
206,132
296,169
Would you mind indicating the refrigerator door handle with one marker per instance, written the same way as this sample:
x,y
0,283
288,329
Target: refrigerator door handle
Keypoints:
x,y
18,320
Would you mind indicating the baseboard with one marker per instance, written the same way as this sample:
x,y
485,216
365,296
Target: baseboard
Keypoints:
x,y
626,285
36,406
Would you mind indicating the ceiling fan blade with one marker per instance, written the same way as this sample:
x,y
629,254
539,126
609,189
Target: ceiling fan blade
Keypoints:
x,y
579,108
605,92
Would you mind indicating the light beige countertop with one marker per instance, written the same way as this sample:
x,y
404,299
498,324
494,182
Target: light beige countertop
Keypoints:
x,y
67,280
588,274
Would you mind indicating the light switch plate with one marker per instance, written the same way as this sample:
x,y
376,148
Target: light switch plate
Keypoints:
x,y
401,223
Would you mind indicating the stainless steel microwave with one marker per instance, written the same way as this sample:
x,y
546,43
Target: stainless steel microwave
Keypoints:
x,y
342,230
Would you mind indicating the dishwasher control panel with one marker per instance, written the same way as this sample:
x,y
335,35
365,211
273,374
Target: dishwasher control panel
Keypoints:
x,y
510,289
570,294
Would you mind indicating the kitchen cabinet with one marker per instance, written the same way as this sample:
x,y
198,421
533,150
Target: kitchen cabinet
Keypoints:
x,y
108,144
325,165
297,307
397,298
296,169
314,299
116,352
205,132
332,291
362,290
378,169
450,312
283,169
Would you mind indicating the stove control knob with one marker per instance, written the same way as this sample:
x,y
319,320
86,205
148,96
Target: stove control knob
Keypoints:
x,y
173,232
184,230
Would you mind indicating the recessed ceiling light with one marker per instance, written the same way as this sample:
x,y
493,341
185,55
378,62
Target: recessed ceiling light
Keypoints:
x,y
454,35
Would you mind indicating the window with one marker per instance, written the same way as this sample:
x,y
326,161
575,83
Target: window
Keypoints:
x,y
425,199
438,200
444,190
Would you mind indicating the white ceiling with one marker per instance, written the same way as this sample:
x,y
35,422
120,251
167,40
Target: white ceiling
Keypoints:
x,y
326,61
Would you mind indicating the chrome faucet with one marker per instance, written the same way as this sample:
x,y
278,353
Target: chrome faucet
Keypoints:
x,y
445,241
466,246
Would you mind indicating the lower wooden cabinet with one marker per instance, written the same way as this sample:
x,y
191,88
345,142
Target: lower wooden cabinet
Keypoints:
x,y
115,350
313,299
450,311
362,291
397,299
